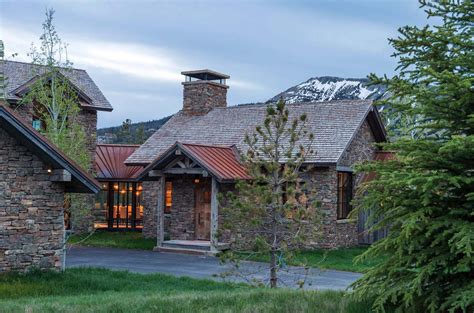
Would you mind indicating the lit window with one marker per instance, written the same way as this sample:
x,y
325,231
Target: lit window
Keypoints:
x,y
168,196
344,194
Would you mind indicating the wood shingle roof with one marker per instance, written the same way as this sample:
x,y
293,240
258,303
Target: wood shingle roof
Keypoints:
x,y
19,74
333,124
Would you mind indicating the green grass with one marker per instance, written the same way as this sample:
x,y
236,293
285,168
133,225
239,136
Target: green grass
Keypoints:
x,y
99,290
125,240
338,259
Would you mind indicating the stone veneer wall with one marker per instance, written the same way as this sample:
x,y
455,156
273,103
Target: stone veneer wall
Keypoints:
x,y
362,148
31,211
200,97
88,120
322,181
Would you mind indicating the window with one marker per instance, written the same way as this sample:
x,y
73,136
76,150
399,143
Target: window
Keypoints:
x,y
168,196
121,205
344,194
36,123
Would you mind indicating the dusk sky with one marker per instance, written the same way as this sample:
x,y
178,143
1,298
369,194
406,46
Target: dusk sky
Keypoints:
x,y
135,50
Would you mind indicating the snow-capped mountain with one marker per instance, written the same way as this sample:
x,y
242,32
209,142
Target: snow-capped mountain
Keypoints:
x,y
328,88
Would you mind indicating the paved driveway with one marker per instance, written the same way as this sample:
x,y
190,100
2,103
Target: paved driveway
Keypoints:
x,y
201,267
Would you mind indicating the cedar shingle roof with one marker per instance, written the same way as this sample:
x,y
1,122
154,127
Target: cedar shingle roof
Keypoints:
x,y
19,73
332,123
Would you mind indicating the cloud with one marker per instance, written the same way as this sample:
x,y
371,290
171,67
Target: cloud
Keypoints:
x,y
143,62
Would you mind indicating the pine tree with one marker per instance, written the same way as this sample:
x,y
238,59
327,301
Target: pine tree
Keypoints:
x,y
273,212
425,195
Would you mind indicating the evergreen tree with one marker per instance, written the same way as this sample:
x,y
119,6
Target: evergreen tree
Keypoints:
x,y
425,195
140,136
273,212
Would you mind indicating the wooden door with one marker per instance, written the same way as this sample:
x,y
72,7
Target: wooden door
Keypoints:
x,y
203,212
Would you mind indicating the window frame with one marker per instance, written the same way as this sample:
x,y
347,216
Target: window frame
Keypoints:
x,y
343,204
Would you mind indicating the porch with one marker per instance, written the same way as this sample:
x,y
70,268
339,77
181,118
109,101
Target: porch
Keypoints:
x,y
189,180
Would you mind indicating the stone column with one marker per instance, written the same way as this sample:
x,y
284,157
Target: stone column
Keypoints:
x,y
214,214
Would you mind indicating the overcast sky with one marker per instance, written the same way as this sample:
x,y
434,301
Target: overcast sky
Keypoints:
x,y
135,50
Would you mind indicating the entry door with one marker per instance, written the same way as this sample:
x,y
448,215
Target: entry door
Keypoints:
x,y
203,212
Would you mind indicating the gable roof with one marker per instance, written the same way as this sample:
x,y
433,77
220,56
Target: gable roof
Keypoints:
x,y
15,126
333,124
220,161
21,75
109,162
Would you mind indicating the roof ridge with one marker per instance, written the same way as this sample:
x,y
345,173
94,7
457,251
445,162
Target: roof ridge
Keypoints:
x,y
117,145
29,63
206,145
249,105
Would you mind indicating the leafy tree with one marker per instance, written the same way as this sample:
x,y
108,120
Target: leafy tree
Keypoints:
x,y
3,79
55,99
425,195
56,103
271,209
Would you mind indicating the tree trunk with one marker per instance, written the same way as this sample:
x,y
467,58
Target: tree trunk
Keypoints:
x,y
273,272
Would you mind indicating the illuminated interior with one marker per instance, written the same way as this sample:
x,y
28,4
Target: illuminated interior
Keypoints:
x,y
121,205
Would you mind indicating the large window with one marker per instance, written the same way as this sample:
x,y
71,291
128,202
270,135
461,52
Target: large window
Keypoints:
x,y
168,196
121,205
344,194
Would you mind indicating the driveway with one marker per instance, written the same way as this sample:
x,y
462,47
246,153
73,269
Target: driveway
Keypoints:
x,y
205,267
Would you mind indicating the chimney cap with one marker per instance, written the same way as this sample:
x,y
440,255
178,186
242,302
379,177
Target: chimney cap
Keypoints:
x,y
205,74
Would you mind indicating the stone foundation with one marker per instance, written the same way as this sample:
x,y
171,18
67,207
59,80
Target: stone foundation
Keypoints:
x,y
31,211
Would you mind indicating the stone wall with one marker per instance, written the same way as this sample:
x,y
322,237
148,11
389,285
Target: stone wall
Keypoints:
x,y
361,148
150,203
199,97
31,211
83,221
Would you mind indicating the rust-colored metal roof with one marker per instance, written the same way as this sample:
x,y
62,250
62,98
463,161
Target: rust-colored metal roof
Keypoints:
x,y
379,156
110,162
219,160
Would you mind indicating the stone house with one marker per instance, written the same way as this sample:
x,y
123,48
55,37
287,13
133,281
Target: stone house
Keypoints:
x,y
194,156
34,175
21,76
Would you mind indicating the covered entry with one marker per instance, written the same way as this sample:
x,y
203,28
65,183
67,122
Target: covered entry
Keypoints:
x,y
193,174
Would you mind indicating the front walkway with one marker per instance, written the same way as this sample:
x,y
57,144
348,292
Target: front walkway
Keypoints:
x,y
199,267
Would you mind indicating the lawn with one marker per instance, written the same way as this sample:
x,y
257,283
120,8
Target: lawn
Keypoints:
x,y
99,290
340,259
337,259
125,240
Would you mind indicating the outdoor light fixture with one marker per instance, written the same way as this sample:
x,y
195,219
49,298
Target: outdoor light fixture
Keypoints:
x,y
196,181
50,170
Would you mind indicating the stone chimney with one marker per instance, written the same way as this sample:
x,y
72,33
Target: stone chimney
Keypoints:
x,y
204,90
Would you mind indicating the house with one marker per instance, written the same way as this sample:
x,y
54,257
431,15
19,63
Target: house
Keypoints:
x,y
21,76
194,156
119,203
34,175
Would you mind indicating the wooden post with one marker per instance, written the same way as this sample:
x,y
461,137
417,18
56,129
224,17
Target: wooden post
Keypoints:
x,y
214,215
160,236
